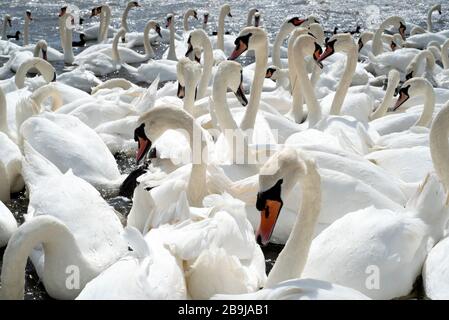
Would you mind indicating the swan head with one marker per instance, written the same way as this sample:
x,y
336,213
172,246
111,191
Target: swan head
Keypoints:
x,y
410,71
257,19
396,22
196,40
295,21
411,88
272,73
28,15
308,45
152,124
169,20
250,38
42,45
95,11
364,38
277,177
317,31
437,7
191,13
133,4
230,73
226,10
62,11
205,17
8,20
188,73
342,42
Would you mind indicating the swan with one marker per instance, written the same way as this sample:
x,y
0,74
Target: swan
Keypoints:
x,y
205,20
286,28
124,20
102,30
417,30
63,234
10,168
189,73
198,39
43,67
221,241
435,268
171,55
130,56
396,22
26,27
42,50
189,13
219,40
277,177
402,121
8,224
6,22
340,173
149,272
98,62
408,234
84,152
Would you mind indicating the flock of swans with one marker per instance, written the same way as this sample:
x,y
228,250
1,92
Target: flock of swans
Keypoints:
x,y
347,134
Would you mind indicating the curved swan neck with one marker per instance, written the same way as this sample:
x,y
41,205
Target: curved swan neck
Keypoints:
x,y
124,21
429,107
285,29
115,53
429,17
57,241
377,40
303,82
345,82
292,259
189,13
41,94
208,65
387,101
261,54
445,54
146,40
226,122
439,146
249,19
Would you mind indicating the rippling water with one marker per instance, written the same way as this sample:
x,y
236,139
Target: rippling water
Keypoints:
x,y
344,14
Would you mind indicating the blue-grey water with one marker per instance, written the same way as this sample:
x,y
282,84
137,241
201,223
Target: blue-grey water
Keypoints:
x,y
344,14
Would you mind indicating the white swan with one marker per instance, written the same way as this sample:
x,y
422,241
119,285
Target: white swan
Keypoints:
x,y
396,122
218,41
84,152
100,31
64,234
396,22
98,62
149,272
277,177
417,30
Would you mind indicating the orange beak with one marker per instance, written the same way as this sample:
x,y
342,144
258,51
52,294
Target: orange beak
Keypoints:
x,y
268,219
144,146
329,51
402,98
238,51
